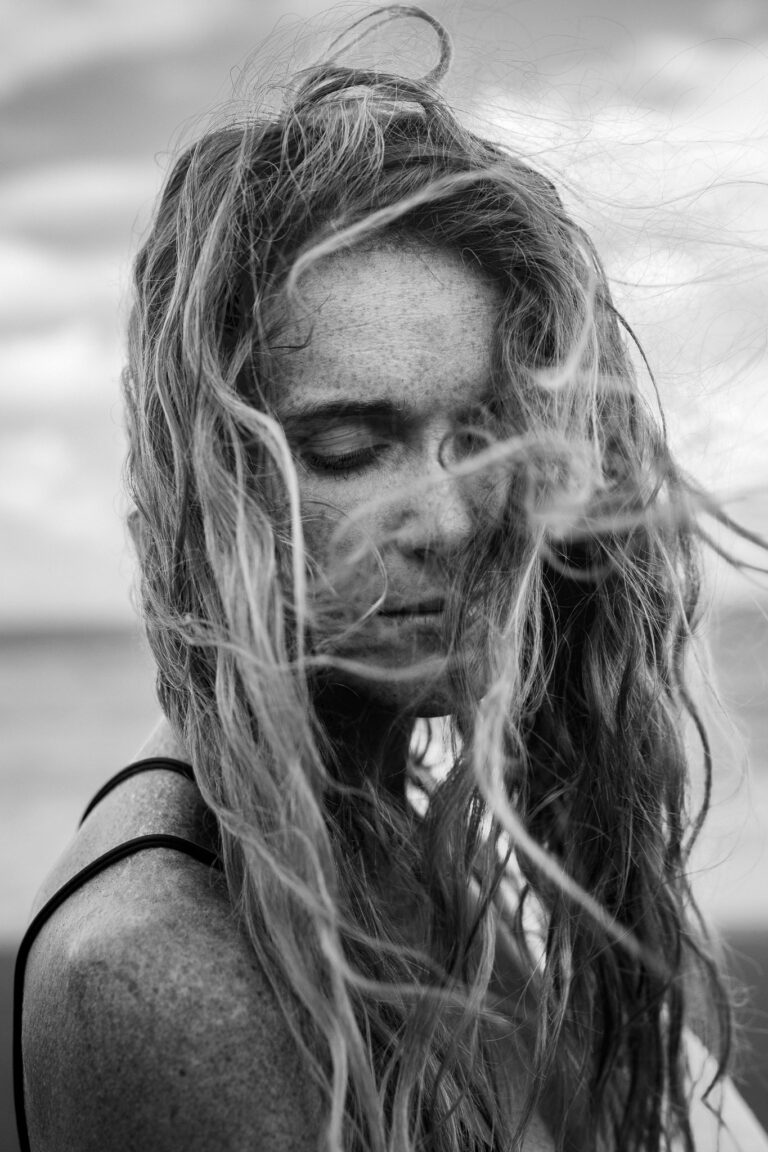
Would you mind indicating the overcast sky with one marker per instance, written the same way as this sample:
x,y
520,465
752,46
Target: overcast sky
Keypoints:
x,y
654,113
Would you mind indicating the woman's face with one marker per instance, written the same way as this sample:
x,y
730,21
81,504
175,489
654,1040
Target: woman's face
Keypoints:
x,y
388,354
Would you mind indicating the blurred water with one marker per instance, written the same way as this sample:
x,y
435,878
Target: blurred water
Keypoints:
x,y
74,708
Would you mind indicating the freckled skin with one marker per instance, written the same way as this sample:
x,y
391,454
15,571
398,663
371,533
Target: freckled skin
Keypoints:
x,y
411,326
148,1023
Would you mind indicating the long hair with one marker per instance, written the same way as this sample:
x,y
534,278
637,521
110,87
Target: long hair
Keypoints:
x,y
565,805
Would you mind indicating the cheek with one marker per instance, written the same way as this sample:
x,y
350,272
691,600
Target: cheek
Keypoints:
x,y
346,569
335,545
338,521
319,525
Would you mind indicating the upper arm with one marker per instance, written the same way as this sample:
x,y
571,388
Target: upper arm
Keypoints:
x,y
147,1035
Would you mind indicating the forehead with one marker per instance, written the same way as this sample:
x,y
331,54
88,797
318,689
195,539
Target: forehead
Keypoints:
x,y
411,325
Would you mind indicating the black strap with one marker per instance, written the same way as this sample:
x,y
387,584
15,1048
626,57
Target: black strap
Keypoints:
x,y
134,769
120,852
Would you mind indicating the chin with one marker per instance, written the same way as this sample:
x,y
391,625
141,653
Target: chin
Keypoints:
x,y
402,669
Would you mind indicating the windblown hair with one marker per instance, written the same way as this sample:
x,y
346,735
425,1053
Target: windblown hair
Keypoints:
x,y
567,799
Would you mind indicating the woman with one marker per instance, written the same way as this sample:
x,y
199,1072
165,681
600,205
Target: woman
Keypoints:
x,y
390,461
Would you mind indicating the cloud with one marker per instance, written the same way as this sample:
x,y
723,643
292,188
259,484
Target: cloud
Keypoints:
x,y
663,159
77,203
75,362
41,286
43,37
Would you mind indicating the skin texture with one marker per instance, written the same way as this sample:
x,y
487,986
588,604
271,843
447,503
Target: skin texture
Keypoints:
x,y
147,1021
404,331
408,331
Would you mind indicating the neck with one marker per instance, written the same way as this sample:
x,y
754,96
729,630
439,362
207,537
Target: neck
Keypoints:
x,y
369,745
369,741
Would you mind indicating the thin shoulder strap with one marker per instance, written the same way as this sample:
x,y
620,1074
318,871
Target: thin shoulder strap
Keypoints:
x,y
120,852
129,848
134,769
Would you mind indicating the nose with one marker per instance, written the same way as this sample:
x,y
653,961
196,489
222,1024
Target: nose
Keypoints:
x,y
437,512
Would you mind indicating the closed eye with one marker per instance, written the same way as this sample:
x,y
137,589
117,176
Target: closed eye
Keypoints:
x,y
343,448
347,463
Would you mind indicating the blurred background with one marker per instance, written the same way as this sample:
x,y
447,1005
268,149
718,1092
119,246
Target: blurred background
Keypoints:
x,y
653,118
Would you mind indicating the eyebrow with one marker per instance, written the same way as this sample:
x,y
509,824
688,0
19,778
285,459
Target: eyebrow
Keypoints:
x,y
325,411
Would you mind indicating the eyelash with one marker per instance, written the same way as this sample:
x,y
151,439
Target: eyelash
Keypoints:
x,y
348,462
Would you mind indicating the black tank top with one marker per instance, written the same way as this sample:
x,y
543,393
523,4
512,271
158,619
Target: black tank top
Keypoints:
x,y
128,848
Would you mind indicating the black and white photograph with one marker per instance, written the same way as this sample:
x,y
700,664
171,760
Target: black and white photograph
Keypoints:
x,y
384,576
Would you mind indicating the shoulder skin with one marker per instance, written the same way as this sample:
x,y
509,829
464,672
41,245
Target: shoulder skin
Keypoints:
x,y
147,1020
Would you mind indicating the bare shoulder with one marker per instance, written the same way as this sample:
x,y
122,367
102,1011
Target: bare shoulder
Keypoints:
x,y
148,1022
